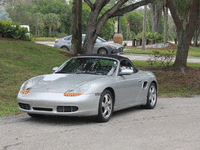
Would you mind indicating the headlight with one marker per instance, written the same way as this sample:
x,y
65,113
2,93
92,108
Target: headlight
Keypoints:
x,y
79,90
26,86
111,46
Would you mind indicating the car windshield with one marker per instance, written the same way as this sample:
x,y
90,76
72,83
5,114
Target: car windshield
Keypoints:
x,y
96,66
100,40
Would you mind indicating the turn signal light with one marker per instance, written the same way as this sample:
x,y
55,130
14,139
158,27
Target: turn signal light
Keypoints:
x,y
72,94
25,92
56,41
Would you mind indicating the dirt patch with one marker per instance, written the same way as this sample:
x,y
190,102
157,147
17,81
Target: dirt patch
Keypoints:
x,y
171,80
69,55
9,39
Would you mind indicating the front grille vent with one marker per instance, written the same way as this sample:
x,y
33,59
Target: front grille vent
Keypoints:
x,y
67,108
24,106
42,109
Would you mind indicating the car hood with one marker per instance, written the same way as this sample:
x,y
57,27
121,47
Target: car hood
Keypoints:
x,y
60,83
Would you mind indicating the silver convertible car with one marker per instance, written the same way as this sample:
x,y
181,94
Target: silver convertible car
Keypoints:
x,y
100,47
89,85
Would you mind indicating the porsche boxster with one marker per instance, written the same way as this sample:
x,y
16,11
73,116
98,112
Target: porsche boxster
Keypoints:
x,y
89,85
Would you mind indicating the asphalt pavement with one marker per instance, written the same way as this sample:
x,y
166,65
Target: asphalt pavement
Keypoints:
x,y
172,125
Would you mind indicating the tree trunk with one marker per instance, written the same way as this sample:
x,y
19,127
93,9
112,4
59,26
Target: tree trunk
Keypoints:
x,y
182,50
185,30
156,13
165,24
77,27
91,37
50,32
38,32
196,38
144,28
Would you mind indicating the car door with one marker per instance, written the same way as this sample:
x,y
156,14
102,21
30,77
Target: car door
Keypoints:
x,y
67,42
128,86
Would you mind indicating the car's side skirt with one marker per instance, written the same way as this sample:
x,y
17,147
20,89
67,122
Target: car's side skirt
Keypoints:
x,y
130,104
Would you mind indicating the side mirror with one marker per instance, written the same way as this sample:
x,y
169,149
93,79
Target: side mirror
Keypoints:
x,y
54,69
126,72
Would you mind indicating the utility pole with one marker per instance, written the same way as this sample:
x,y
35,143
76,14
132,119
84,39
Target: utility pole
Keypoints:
x,y
144,28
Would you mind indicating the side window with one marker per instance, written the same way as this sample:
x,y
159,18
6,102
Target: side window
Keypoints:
x,y
125,64
68,38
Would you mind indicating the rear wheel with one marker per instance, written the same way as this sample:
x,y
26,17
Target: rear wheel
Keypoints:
x,y
105,106
102,51
151,97
65,48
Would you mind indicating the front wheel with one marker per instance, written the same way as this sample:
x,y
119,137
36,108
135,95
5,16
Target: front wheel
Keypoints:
x,y
151,97
105,106
103,51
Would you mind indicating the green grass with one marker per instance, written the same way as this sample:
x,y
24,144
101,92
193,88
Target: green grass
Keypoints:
x,y
46,38
19,61
193,51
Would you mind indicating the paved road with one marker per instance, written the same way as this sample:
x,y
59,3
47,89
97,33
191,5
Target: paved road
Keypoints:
x,y
134,56
172,125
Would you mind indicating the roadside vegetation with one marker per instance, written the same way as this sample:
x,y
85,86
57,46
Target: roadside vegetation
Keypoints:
x,y
193,51
21,60
49,39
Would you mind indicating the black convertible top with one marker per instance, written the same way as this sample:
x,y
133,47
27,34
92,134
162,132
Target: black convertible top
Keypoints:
x,y
107,56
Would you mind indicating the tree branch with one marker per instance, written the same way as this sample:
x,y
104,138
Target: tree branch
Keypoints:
x,y
100,4
131,8
90,4
106,15
174,14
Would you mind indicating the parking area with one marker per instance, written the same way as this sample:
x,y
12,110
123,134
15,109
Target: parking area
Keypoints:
x,y
173,124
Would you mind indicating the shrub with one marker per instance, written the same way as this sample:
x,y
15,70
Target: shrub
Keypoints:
x,y
11,30
150,35
165,59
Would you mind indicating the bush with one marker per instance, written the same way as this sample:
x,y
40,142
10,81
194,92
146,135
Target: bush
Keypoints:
x,y
150,35
11,30
165,59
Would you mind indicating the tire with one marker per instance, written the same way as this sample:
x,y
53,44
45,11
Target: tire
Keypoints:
x,y
102,51
151,97
35,115
65,48
105,106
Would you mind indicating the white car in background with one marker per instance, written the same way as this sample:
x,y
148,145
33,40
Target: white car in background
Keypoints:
x,y
100,47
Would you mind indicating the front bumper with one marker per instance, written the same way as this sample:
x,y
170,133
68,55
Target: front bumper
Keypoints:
x,y
50,104
116,51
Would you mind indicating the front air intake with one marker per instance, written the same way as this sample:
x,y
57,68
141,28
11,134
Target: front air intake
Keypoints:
x,y
67,108
24,106
42,109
